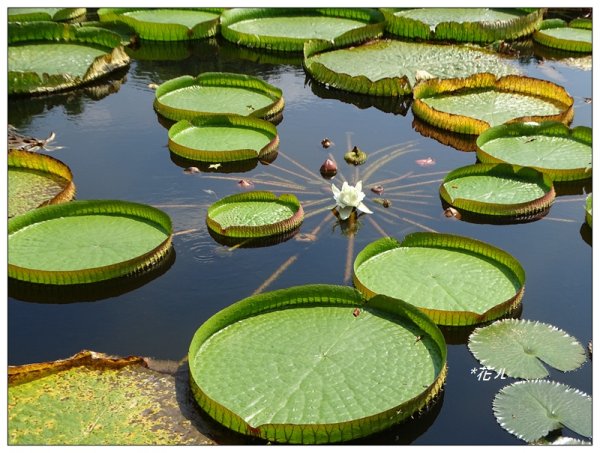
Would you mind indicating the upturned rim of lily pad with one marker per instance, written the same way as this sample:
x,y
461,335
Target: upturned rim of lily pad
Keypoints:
x,y
544,38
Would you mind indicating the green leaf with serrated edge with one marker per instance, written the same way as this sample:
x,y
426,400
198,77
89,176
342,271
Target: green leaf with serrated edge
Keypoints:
x,y
531,409
44,14
550,147
307,364
520,348
453,279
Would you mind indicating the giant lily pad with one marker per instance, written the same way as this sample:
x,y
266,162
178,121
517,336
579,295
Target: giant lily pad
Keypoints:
x,y
86,241
287,29
575,37
212,93
518,347
473,104
315,364
36,180
498,190
44,14
95,399
255,214
48,56
223,138
552,148
531,409
166,24
389,68
482,25
455,280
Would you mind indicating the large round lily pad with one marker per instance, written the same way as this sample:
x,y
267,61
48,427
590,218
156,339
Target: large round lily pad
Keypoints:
x,y
255,214
473,104
550,147
482,25
213,93
574,37
48,56
86,241
44,14
453,279
35,180
315,364
223,138
390,68
166,24
287,29
498,190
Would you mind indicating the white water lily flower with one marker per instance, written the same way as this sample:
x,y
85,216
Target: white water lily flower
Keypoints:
x,y
348,198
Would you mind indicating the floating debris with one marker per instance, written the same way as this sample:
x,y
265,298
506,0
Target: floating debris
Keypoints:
x,y
355,156
383,202
214,166
356,312
191,170
377,189
305,237
451,212
328,169
153,86
326,143
22,142
425,162
587,100
245,184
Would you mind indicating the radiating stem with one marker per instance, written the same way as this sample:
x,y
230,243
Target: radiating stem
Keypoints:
x,y
275,275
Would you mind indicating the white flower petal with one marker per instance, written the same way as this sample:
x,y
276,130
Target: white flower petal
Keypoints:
x,y
362,208
335,190
358,186
345,212
345,186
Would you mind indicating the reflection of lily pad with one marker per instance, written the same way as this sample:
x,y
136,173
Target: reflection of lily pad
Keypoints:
x,y
552,148
462,24
518,347
86,241
223,138
166,24
48,56
473,104
531,409
44,14
36,180
287,29
314,364
460,142
498,190
212,93
255,214
389,68
453,279
575,37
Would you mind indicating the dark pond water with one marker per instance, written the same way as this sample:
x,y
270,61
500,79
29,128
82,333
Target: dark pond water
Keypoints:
x,y
116,146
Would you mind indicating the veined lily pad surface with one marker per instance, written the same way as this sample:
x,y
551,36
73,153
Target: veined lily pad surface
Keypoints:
x,y
499,190
35,180
453,279
287,29
47,56
462,24
222,138
212,93
314,364
166,24
473,104
43,14
86,241
577,37
562,153
389,68
255,214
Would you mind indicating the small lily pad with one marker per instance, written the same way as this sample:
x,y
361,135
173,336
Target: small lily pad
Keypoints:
x,y
531,409
211,93
573,37
518,347
316,364
44,14
255,214
223,138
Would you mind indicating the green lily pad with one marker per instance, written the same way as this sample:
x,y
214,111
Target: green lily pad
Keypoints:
x,y
211,93
498,190
314,364
482,25
255,214
86,241
166,24
575,37
456,281
44,14
531,409
389,68
223,138
474,104
287,29
47,56
588,210
36,180
94,399
550,147
518,347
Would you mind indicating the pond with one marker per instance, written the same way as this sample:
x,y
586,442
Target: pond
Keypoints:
x,y
116,146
